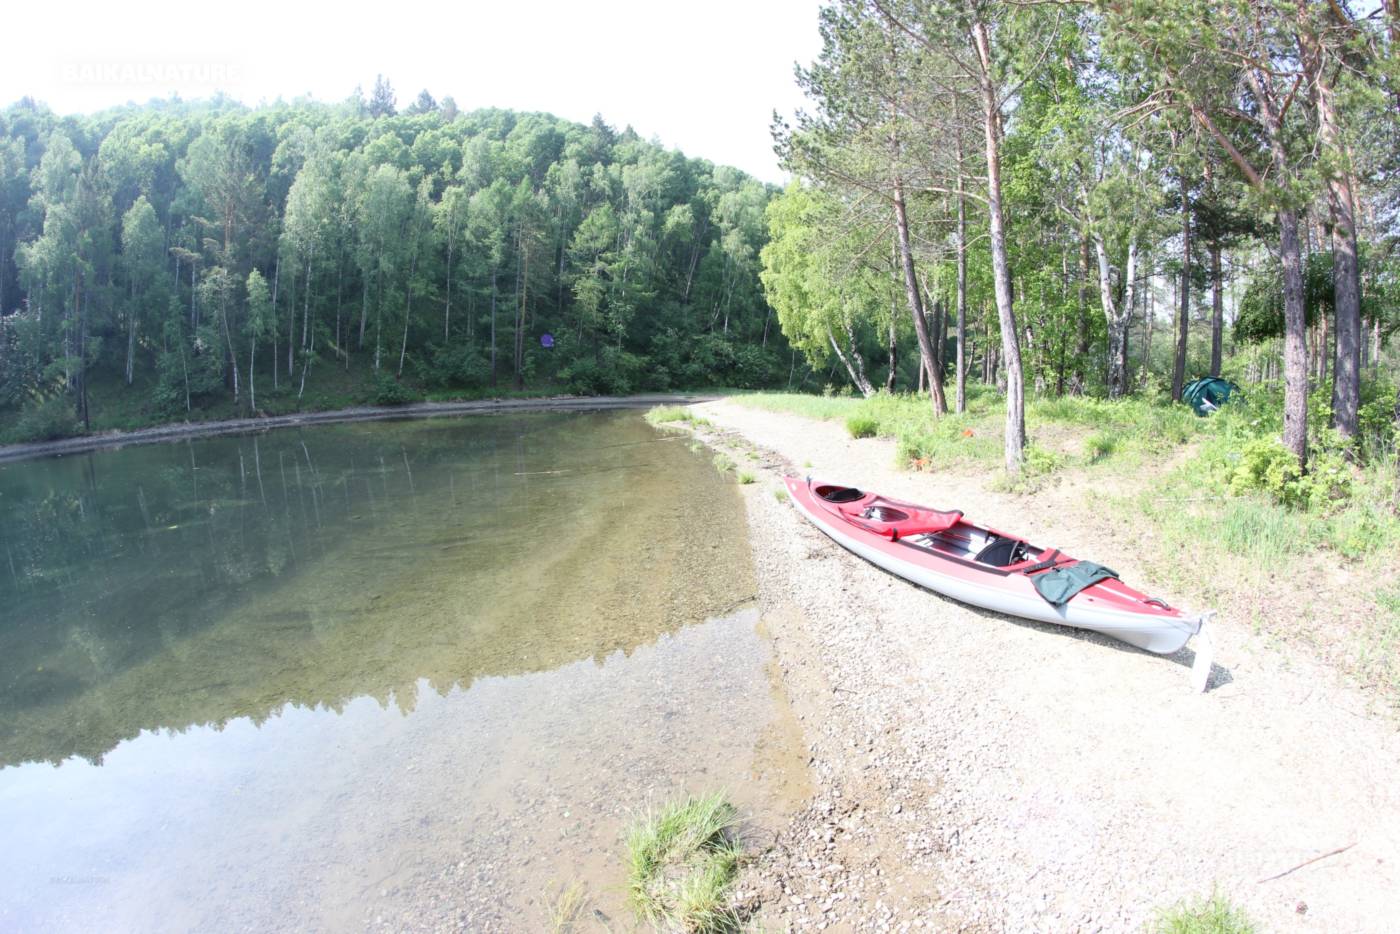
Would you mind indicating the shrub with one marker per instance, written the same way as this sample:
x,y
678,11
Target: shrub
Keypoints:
x,y
1266,466
389,391
47,421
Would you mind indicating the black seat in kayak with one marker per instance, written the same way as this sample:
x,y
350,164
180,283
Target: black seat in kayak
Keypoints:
x,y
839,494
1001,552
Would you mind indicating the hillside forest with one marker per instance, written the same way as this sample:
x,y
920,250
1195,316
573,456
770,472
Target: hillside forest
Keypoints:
x,y
191,260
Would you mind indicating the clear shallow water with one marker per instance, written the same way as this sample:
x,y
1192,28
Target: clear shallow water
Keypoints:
x,y
418,672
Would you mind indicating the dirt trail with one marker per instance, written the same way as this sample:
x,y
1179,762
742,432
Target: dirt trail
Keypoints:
x,y
977,773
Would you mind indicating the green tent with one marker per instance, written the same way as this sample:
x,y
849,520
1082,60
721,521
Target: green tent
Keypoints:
x,y
1207,395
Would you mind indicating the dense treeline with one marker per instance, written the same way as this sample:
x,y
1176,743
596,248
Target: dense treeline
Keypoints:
x,y
1014,188
208,256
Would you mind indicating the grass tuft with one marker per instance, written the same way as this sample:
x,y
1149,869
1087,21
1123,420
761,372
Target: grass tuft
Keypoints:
x,y
567,910
780,494
682,863
723,463
862,426
746,476
1099,446
1214,915
669,415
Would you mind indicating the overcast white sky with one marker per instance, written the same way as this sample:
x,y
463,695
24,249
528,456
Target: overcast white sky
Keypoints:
x,y
702,76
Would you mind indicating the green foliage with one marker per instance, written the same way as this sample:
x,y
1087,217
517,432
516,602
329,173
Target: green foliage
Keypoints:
x,y
862,426
682,862
47,421
745,477
1265,465
1099,446
1380,649
391,391
667,414
723,463
204,239
1215,915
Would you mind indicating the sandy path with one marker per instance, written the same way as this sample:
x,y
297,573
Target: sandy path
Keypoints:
x,y
982,774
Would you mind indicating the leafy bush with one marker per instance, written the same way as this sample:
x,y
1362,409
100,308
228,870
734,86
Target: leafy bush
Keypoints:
x,y
48,421
456,367
1266,466
862,426
613,373
389,391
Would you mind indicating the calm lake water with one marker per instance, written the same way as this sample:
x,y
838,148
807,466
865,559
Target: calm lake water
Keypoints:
x,y
399,674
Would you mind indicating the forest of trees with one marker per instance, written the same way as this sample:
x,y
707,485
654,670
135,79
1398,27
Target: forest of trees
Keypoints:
x,y
214,258
1013,187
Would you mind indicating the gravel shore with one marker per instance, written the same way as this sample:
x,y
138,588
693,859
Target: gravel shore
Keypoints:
x,y
976,773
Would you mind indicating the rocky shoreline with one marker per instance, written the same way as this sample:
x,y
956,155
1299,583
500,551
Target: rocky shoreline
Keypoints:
x,y
976,773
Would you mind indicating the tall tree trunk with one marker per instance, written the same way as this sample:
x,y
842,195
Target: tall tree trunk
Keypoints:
x,y
854,364
407,314
1116,316
1001,272
276,275
79,300
1183,320
130,331
1150,313
1217,310
1079,382
1346,274
493,325
232,352
894,356
252,393
364,306
447,306
913,296
961,397
520,322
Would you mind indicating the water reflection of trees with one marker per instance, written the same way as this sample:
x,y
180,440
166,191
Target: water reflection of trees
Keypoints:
x,y
164,587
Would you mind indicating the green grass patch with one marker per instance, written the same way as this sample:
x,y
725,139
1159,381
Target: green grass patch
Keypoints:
x,y
745,477
780,494
682,863
669,414
1215,915
723,463
1100,446
862,425
1380,646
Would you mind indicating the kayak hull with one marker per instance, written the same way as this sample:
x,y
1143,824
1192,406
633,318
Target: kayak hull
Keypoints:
x,y
1109,607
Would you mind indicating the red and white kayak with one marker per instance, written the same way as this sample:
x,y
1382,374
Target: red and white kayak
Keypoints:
x,y
981,566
